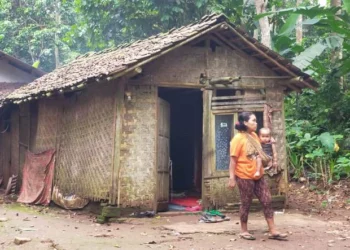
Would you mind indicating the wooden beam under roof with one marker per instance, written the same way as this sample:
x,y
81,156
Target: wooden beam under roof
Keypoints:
x,y
229,44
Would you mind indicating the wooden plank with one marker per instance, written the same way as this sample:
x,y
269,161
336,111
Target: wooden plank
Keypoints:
x,y
228,43
156,148
207,94
213,38
192,85
239,85
239,97
236,110
163,155
235,119
216,98
244,106
118,130
237,103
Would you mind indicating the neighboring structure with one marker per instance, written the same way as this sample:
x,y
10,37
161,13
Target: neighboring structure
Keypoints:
x,y
116,117
13,74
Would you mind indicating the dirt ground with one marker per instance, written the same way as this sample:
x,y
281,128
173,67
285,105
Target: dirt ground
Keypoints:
x,y
315,220
59,229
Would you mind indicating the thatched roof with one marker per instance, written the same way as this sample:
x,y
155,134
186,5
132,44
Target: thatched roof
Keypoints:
x,y
115,62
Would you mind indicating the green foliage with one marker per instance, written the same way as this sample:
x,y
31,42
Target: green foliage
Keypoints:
x,y
28,30
312,154
305,58
108,23
342,167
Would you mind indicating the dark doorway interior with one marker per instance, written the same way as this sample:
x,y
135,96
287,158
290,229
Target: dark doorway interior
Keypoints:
x,y
185,139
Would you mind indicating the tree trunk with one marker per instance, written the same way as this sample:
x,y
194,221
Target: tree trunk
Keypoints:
x,y
58,21
337,54
336,3
265,29
299,26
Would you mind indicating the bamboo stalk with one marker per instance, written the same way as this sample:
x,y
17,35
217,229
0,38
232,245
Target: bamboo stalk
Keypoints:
x,y
223,80
266,77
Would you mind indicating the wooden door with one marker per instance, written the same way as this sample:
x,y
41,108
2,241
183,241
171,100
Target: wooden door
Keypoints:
x,y
163,162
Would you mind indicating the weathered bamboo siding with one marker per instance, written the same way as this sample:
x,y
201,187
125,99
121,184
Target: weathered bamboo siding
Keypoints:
x,y
138,149
80,128
45,124
84,152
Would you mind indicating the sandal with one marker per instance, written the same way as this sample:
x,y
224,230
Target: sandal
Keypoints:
x,y
247,236
278,236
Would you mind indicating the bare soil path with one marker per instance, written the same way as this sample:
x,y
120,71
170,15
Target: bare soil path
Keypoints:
x,y
60,229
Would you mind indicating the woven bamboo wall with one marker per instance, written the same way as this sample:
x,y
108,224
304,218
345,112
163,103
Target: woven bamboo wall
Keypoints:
x,y
185,64
45,125
138,153
86,142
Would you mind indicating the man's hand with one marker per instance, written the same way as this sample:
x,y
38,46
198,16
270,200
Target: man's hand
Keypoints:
x,y
231,183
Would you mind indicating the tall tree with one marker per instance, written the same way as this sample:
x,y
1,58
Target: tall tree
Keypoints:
x,y
299,25
265,30
58,23
337,53
33,30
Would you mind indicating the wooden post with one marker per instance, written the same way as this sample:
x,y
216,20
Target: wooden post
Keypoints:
x,y
208,142
283,184
119,112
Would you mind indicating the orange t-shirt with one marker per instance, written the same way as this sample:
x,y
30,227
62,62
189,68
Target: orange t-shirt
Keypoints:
x,y
245,167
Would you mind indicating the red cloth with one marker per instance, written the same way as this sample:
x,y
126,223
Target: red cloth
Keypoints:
x,y
185,201
194,209
37,178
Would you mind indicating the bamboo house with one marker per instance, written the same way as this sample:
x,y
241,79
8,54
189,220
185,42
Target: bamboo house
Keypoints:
x,y
124,119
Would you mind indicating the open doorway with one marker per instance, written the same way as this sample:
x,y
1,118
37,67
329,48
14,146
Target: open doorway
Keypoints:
x,y
186,117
